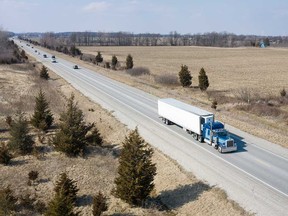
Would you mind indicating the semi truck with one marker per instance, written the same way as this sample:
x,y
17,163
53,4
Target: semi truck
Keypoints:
x,y
197,122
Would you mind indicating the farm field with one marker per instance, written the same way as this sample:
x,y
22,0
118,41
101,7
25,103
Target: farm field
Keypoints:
x,y
228,69
246,82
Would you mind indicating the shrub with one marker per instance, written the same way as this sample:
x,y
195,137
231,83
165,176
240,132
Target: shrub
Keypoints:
x,y
129,62
71,138
107,65
5,155
136,171
138,71
283,92
7,201
20,140
99,204
185,76
9,120
203,80
33,175
214,104
167,79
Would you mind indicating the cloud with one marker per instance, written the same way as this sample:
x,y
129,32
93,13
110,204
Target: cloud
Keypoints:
x,y
96,6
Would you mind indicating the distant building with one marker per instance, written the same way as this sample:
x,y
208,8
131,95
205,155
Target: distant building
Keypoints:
x,y
262,44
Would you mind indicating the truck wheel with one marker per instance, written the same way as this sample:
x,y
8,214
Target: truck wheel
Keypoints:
x,y
219,149
200,139
195,136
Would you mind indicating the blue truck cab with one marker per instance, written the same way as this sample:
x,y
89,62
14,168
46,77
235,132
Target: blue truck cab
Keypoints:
x,y
215,134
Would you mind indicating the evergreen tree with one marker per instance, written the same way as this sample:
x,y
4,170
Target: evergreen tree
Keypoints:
x,y
44,73
99,58
99,204
129,62
185,76
67,187
60,205
114,61
95,138
20,140
136,171
71,138
42,117
203,80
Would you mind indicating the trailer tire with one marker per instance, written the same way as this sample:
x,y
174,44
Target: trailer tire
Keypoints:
x,y
219,149
195,136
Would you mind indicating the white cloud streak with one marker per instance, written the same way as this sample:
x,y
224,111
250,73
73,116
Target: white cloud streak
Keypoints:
x,y
96,6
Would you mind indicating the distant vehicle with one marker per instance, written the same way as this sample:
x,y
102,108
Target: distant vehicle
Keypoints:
x,y
35,50
75,67
44,55
197,122
53,57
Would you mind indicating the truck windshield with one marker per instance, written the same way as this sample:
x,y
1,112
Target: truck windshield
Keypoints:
x,y
222,133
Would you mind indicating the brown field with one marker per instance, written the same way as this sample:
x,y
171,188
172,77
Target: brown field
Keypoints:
x,y
234,74
228,69
181,192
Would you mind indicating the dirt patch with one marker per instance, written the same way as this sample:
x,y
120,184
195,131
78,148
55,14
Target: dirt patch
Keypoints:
x,y
181,192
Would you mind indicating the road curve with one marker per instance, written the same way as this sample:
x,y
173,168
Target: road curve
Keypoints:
x,y
256,176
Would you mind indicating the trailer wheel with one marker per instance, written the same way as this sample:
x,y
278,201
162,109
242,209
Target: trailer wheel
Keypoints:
x,y
219,149
195,136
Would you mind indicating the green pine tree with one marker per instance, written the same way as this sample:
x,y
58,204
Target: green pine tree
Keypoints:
x,y
44,73
136,171
60,205
99,204
129,62
71,138
203,80
114,61
95,138
42,117
99,58
185,76
21,142
67,187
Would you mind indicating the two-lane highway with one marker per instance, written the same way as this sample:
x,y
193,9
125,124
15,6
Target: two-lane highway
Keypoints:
x,y
254,177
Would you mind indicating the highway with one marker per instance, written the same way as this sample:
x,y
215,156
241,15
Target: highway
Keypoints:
x,y
256,176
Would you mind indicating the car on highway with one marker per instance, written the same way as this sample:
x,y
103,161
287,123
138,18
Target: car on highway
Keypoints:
x,y
44,56
75,67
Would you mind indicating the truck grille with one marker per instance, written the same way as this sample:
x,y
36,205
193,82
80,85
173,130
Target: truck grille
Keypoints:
x,y
230,143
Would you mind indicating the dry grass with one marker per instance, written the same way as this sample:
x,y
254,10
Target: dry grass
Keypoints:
x,y
227,68
98,170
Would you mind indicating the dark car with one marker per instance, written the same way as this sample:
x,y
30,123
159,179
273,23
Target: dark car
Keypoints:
x,y
44,55
75,67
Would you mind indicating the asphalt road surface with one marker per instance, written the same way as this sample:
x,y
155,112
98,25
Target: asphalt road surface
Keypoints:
x,y
256,176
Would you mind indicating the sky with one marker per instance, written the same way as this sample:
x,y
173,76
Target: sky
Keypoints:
x,y
256,17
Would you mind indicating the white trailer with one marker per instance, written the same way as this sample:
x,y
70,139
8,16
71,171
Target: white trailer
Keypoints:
x,y
187,116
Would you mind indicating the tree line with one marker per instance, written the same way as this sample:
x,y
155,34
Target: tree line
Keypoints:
x,y
215,39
